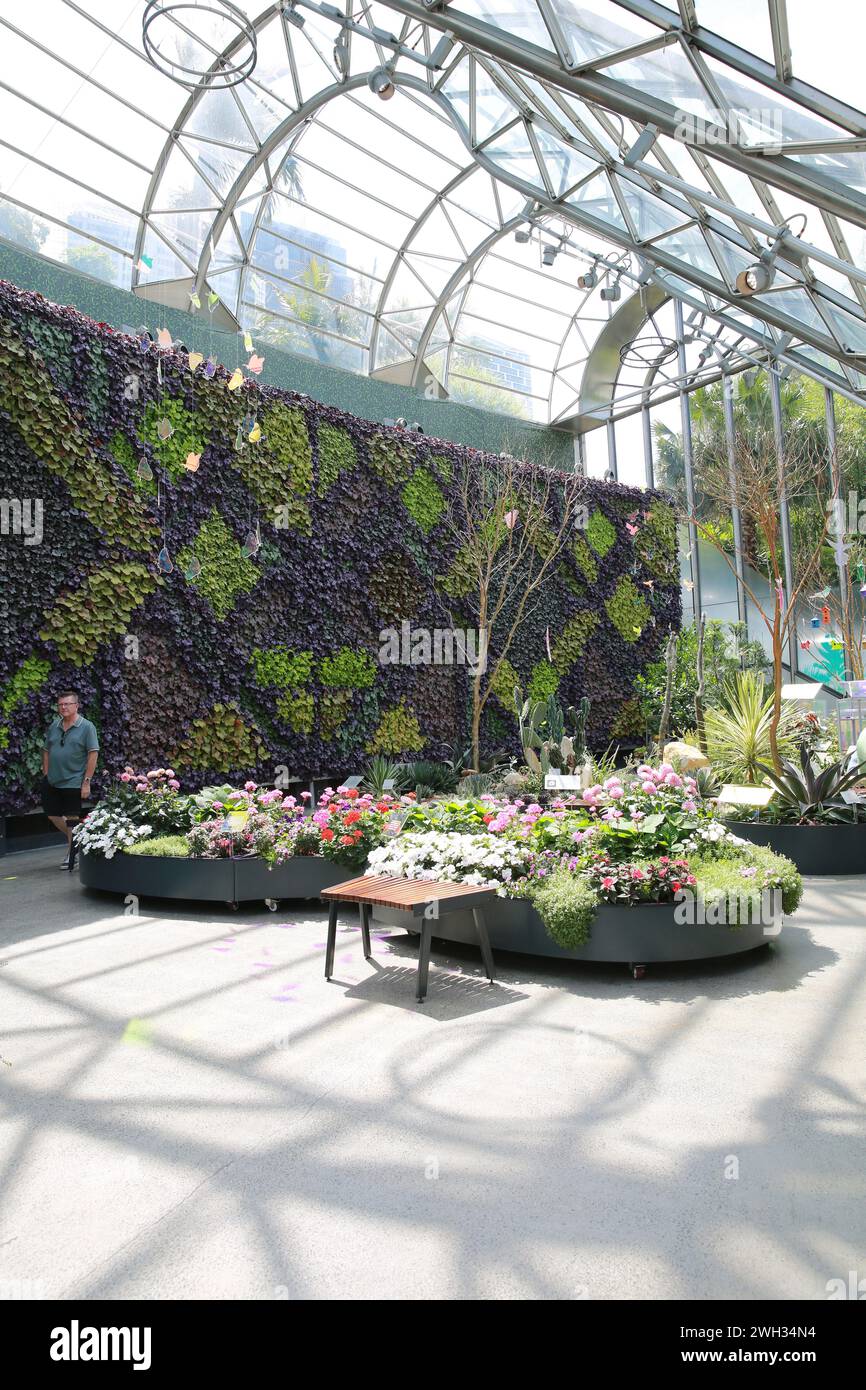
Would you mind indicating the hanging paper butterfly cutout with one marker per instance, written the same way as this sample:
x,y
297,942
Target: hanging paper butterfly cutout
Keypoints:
x,y
194,359
687,584
192,462
240,438
248,342
632,530
193,570
163,559
255,433
236,379
212,300
650,584
144,342
164,338
144,263
511,519
164,428
255,364
194,300
144,470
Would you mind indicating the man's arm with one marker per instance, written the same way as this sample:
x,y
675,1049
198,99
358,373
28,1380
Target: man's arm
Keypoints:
x,y
90,768
45,761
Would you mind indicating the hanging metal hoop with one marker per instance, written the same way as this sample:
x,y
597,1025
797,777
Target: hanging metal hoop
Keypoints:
x,y
650,351
181,14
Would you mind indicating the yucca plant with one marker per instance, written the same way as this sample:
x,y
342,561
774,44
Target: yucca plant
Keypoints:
x,y
808,794
739,731
380,770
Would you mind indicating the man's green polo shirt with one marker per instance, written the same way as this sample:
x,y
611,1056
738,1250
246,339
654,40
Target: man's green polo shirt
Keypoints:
x,y
67,760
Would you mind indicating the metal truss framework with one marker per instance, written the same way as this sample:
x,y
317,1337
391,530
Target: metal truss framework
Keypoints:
x,y
372,235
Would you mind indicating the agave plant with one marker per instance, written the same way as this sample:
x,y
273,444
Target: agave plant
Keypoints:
x,y
738,732
378,771
810,794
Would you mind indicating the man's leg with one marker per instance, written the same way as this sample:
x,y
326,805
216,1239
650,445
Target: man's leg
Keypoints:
x,y
62,825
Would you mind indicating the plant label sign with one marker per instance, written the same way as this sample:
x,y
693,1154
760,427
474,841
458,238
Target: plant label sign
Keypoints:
x,y
562,781
854,798
746,796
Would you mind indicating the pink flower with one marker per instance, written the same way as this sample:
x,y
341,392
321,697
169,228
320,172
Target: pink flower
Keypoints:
x,y
611,782
577,837
250,786
170,772
174,784
748,873
689,805
638,873
305,796
648,787
607,882
638,815
125,777
645,771
615,793
672,780
613,813
665,769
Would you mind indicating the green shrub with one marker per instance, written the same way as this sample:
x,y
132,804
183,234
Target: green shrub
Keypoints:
x,y
600,533
281,667
82,621
398,732
390,458
336,455
31,675
566,905
161,847
569,645
297,708
226,572
585,559
423,499
348,670
186,437
628,610
543,681
718,878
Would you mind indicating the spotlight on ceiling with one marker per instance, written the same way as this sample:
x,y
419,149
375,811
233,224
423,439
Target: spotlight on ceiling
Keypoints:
x,y
341,53
588,280
756,277
291,14
549,254
381,82
613,291
523,235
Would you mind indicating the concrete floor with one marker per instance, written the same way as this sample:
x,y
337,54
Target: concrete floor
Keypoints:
x,y
190,1111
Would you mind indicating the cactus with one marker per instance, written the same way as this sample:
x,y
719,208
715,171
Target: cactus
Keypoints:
x,y
542,733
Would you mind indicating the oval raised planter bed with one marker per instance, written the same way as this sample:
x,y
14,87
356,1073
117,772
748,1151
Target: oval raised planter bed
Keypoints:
x,y
637,935
210,880
815,849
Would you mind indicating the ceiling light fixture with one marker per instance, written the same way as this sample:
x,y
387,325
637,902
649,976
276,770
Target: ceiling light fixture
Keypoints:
x,y
611,292
381,82
549,254
589,279
341,53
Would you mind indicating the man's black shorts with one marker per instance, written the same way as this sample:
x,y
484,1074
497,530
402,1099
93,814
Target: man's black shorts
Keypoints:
x,y
61,801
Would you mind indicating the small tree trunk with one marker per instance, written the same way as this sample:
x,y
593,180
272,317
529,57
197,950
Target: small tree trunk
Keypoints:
x,y
670,662
777,686
699,693
476,722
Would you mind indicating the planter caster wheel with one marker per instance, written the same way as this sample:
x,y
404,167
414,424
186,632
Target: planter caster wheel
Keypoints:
x,y
233,906
637,971
272,904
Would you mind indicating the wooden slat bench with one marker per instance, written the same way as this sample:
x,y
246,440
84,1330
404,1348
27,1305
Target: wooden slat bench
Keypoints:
x,y
423,898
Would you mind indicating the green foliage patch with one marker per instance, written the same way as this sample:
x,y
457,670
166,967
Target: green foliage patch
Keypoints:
x,y
628,610
226,572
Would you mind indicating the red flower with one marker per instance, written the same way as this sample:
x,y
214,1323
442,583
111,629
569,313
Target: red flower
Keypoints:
x,y
676,885
383,806
347,840
351,817
327,834
352,793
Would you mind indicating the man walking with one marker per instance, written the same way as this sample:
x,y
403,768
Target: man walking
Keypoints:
x,y
68,763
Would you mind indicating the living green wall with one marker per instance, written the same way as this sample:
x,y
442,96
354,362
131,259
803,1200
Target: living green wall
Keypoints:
x,y
360,395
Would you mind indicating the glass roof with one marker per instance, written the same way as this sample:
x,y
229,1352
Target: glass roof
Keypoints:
x,y
436,236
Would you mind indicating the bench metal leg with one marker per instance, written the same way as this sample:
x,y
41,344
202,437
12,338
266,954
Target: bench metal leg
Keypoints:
x,y
424,959
332,939
365,930
484,939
